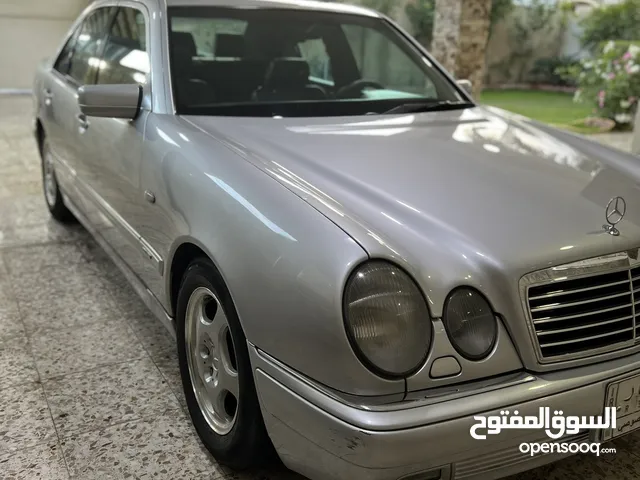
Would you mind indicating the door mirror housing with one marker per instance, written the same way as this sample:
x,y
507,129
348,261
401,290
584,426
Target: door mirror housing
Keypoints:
x,y
466,85
112,101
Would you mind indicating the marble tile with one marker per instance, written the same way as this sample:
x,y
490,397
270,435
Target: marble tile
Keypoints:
x,y
151,333
3,269
108,395
60,352
40,462
5,280
18,128
24,417
162,447
17,365
37,257
63,296
94,253
18,184
10,321
128,300
48,232
167,363
13,169
119,287
4,147
629,442
24,210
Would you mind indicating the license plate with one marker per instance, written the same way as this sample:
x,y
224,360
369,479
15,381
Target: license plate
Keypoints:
x,y
625,397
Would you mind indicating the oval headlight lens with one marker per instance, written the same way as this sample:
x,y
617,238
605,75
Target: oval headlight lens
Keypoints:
x,y
387,319
471,324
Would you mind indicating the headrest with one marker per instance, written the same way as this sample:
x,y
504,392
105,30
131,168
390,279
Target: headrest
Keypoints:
x,y
229,46
184,43
286,73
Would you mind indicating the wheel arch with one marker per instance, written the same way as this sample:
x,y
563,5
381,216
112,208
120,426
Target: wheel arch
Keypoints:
x,y
185,251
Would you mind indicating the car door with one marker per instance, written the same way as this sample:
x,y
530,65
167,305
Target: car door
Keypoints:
x,y
62,119
112,148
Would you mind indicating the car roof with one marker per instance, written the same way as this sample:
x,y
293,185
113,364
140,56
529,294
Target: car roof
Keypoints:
x,y
291,4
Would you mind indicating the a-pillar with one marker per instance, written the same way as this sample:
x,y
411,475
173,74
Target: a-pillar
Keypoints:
x,y
460,36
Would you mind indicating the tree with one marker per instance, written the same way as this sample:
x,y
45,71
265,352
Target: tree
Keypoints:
x,y
421,13
539,18
613,22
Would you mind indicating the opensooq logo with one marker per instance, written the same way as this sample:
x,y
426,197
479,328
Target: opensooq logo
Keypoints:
x,y
555,426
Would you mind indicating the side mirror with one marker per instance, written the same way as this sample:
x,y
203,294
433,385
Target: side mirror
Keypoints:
x,y
112,101
466,85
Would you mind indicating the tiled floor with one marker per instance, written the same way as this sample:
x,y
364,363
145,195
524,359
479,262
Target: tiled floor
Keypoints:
x,y
89,385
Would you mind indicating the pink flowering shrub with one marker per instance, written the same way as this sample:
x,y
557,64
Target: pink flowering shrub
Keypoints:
x,y
611,82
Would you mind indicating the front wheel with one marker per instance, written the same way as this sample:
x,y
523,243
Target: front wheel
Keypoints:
x,y
216,371
52,194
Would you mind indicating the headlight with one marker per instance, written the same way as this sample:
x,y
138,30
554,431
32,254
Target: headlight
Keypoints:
x,y
387,319
471,324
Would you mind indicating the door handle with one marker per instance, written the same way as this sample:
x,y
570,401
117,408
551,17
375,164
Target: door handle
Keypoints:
x,y
83,122
48,97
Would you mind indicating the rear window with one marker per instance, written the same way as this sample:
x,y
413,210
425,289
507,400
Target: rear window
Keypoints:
x,y
209,34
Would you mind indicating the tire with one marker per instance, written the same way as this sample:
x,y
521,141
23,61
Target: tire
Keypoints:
x,y
52,193
244,443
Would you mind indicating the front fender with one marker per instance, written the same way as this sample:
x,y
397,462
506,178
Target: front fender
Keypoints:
x,y
284,263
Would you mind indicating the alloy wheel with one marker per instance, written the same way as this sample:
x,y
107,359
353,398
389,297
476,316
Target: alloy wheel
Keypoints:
x,y
212,360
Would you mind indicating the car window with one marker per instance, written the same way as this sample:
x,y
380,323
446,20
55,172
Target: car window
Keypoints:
x,y
398,73
282,62
125,58
212,37
88,46
63,61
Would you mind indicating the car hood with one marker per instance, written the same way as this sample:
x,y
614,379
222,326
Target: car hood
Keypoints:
x,y
472,197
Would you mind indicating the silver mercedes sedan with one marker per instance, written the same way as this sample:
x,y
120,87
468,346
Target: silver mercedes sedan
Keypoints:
x,y
362,268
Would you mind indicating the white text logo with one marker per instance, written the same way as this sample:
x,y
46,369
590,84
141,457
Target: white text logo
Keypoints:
x,y
555,426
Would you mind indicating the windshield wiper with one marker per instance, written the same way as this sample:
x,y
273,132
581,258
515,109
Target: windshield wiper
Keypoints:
x,y
417,107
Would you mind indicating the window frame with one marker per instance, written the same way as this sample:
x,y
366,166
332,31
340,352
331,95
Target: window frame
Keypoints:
x,y
415,44
147,88
76,29
71,39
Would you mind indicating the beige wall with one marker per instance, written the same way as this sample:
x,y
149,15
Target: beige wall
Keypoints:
x,y
31,30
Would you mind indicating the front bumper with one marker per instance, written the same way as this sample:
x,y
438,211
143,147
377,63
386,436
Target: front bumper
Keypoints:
x,y
322,437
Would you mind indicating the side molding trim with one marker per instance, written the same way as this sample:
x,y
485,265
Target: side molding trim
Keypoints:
x,y
143,245
145,294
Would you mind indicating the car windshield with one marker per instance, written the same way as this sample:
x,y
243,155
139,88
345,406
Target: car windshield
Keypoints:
x,y
286,62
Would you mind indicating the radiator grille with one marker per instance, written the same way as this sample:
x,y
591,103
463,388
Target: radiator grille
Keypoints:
x,y
589,313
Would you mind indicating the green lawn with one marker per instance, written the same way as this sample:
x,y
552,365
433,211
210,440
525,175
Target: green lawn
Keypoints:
x,y
555,108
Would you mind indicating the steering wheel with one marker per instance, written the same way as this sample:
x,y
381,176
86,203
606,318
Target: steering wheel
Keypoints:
x,y
357,87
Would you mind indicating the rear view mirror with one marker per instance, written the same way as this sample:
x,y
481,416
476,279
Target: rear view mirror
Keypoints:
x,y
466,85
113,101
